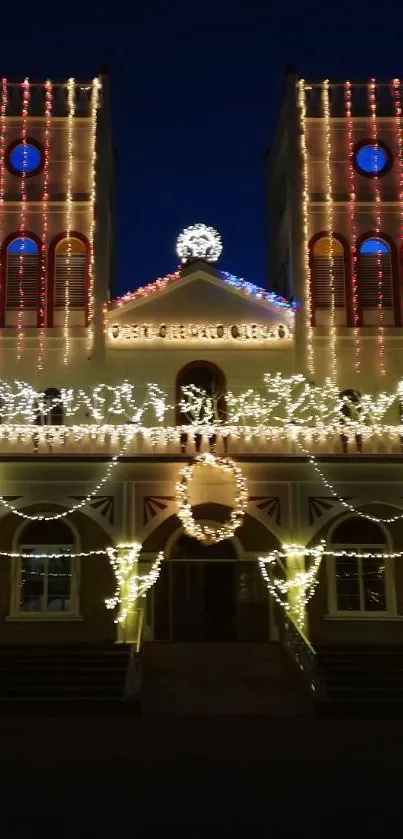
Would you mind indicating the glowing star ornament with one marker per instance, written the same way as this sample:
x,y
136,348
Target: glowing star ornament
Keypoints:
x,y
199,242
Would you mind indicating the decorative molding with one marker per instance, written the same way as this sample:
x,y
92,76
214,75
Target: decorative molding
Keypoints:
x,y
102,504
153,505
318,505
268,504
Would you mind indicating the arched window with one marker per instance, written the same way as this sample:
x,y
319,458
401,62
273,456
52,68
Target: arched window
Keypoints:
x,y
46,584
324,252
375,258
202,387
208,379
22,273
70,266
53,413
359,583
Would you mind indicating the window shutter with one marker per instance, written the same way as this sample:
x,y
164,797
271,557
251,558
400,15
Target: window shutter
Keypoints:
x,y
29,284
321,281
76,278
370,265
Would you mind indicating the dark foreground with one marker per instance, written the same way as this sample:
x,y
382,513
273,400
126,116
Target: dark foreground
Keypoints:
x,y
75,777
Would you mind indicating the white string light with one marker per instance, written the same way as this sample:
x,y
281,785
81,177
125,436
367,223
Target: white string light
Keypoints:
x,y
69,213
130,585
95,90
329,226
290,405
199,242
214,333
45,517
305,230
301,586
378,519
204,532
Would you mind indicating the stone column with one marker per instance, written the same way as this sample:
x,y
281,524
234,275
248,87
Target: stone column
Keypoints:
x,y
129,614
295,564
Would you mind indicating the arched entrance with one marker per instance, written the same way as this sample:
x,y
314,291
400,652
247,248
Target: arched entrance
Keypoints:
x,y
195,598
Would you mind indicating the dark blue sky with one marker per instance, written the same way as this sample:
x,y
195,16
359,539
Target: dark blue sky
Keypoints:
x,y
196,90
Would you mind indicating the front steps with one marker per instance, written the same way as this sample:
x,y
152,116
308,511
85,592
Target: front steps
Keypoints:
x,y
220,679
63,680
361,681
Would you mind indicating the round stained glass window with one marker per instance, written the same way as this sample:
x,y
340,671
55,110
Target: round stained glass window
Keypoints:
x,y
25,157
372,159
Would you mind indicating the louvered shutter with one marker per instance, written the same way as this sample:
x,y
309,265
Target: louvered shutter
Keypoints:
x,y
29,280
369,285
73,271
321,281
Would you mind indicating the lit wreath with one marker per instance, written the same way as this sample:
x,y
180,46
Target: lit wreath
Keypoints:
x,y
203,532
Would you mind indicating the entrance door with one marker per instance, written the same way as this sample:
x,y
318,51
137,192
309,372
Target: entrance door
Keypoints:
x,y
195,601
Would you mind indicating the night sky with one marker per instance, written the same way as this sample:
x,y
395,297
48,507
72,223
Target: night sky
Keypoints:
x,y
196,91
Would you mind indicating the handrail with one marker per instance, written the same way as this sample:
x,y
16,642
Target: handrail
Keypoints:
x,y
303,654
140,625
133,674
302,634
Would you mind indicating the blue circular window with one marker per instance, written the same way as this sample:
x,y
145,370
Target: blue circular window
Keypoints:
x,y
25,157
372,159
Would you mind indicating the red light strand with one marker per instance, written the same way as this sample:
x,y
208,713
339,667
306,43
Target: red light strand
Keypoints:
x,y
3,127
377,196
25,108
45,222
353,226
396,84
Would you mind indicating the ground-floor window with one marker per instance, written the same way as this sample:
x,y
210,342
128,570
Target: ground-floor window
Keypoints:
x,y
358,582
45,581
46,577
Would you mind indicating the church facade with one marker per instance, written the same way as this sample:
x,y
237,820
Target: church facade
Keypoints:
x,y
203,419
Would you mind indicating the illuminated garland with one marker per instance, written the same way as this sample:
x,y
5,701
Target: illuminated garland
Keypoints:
x,y
45,222
247,288
305,221
329,225
3,129
96,86
78,506
377,197
130,585
203,532
241,333
377,519
20,317
300,588
69,213
288,403
353,228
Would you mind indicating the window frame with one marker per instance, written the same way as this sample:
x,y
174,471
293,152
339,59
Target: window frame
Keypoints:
x,y
371,142
390,590
16,613
18,142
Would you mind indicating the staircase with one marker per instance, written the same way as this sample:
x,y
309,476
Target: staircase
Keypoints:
x,y
220,679
361,680
63,680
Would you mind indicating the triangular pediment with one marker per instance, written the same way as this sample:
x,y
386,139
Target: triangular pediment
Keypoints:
x,y
198,296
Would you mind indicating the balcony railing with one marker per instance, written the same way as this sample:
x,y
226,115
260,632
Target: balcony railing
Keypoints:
x,y
126,440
